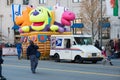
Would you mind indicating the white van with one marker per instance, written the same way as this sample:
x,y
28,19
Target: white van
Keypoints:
x,y
77,48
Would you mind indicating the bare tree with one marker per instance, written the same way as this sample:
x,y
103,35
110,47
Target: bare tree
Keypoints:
x,y
90,12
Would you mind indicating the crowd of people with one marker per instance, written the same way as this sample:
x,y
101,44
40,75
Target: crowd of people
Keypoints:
x,y
114,47
111,50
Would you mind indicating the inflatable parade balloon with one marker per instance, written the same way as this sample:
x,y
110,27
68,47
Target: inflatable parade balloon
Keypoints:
x,y
24,20
44,19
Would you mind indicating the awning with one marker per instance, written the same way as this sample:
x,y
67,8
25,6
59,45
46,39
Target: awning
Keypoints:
x,y
105,25
15,27
77,25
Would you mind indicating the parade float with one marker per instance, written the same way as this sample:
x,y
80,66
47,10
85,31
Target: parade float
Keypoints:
x,y
38,24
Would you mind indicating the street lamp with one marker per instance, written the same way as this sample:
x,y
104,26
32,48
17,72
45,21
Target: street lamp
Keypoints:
x,y
118,28
1,27
101,26
8,33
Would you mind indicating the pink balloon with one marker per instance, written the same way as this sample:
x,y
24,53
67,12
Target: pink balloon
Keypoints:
x,y
67,17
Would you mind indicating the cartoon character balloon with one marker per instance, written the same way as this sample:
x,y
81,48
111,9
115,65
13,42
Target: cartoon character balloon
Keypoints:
x,y
40,18
63,17
24,20
44,19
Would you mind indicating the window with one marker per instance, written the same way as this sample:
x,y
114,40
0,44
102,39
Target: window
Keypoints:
x,y
25,2
83,40
76,1
78,20
67,43
9,2
106,28
42,1
106,33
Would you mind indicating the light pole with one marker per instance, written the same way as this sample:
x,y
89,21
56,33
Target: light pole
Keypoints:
x,y
1,27
101,26
8,33
118,28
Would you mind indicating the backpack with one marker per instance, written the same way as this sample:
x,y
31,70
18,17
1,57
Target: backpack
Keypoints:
x,y
38,54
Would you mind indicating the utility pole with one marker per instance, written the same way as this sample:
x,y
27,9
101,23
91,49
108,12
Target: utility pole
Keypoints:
x,y
92,24
101,26
1,28
118,28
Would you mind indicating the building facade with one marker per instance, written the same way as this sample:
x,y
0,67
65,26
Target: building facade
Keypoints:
x,y
6,23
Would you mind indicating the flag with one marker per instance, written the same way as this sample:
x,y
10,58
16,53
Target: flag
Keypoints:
x,y
16,11
112,7
112,2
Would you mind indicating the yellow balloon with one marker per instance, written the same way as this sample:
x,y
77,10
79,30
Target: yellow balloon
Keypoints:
x,y
54,28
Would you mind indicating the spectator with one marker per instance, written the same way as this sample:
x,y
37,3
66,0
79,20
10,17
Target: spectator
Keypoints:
x,y
97,44
1,62
19,50
118,48
31,52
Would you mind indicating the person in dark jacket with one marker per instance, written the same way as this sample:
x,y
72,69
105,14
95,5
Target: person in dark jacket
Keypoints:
x,y
31,52
1,62
97,45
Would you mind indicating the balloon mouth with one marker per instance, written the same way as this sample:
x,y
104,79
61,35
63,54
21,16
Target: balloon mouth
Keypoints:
x,y
38,23
66,22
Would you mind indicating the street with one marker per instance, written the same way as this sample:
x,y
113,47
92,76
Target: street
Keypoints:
x,y
14,69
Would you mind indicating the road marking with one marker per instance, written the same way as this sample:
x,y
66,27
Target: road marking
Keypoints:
x,y
72,71
118,67
109,66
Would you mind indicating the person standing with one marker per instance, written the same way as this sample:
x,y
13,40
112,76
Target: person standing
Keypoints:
x,y
1,62
19,50
97,45
31,52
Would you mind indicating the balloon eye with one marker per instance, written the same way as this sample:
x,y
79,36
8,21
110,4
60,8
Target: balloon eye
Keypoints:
x,y
65,9
40,10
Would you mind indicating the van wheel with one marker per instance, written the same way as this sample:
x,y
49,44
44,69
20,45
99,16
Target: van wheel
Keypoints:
x,y
78,59
57,58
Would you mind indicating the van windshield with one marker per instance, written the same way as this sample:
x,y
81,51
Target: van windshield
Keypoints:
x,y
83,40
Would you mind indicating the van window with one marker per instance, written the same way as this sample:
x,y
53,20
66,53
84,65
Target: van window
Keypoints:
x,y
83,40
67,43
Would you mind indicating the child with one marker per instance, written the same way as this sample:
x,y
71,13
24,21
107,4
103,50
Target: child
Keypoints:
x,y
106,58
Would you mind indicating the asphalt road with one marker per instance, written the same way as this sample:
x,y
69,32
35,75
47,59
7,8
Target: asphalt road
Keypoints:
x,y
14,69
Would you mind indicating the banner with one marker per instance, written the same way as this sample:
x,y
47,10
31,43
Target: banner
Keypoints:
x,y
112,7
9,51
16,11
